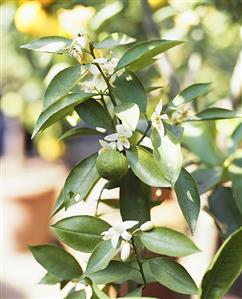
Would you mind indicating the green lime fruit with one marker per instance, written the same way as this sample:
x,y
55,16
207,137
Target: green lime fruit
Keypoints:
x,y
111,165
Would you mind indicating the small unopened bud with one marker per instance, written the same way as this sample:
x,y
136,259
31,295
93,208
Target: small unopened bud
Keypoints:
x,y
125,251
148,225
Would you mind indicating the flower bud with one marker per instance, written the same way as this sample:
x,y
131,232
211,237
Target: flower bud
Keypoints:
x,y
148,225
125,251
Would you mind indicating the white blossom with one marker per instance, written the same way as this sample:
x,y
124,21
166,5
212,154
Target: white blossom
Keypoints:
x,y
124,250
148,225
157,119
121,137
119,231
78,44
106,146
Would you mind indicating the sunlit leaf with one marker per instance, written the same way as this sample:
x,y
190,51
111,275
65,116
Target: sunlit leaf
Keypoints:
x,y
215,114
49,44
129,114
115,39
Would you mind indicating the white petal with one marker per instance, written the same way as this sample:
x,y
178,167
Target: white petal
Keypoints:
x,y
112,145
126,144
120,129
161,129
114,240
120,146
111,137
100,60
94,70
164,116
129,223
103,143
158,108
148,225
125,251
126,235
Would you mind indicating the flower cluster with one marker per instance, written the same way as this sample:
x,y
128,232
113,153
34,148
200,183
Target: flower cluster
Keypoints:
x,y
120,231
78,46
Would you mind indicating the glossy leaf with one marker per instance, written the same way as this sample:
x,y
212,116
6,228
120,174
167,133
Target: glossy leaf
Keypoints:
x,y
94,114
145,51
145,168
215,114
80,180
59,109
176,132
187,95
225,268
76,295
199,137
188,198
169,242
115,272
129,89
79,132
62,83
101,256
222,206
57,261
82,233
114,40
236,138
172,275
50,279
49,44
167,153
235,175
96,292
134,199
129,114
206,178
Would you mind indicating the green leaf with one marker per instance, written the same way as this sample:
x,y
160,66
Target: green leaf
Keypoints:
x,y
77,132
82,233
236,138
94,114
225,268
134,199
166,241
57,261
101,256
153,88
215,114
129,89
59,109
222,206
167,153
76,295
114,40
187,95
176,132
188,198
172,275
62,83
200,138
206,178
145,168
145,51
49,44
129,114
49,278
235,175
115,272
81,180
135,293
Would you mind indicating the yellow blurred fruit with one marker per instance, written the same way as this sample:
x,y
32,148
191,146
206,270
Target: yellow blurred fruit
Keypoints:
x,y
50,148
155,4
31,19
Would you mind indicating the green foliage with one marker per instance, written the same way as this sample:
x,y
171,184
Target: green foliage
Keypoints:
x,y
138,153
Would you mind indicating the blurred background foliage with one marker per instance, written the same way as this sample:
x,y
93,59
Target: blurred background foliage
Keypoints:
x,y
212,52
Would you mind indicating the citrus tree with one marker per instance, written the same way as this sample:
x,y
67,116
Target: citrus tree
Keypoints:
x,y
136,153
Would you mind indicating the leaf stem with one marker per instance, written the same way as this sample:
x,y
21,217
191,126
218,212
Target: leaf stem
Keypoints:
x,y
98,200
139,262
145,133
